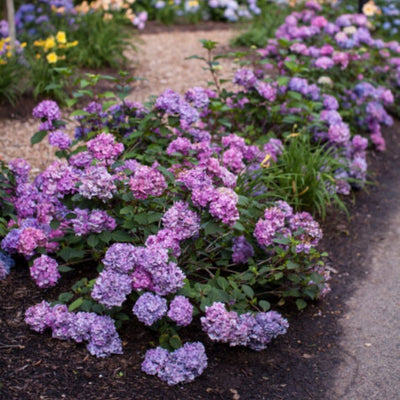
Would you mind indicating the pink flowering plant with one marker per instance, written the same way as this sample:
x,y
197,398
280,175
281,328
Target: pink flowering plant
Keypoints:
x,y
186,207
346,61
163,210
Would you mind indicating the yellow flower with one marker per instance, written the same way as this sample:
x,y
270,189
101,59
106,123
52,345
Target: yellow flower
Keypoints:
x,y
38,43
23,44
37,56
52,58
266,162
49,43
61,37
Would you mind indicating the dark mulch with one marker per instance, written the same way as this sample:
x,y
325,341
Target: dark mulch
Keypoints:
x,y
298,366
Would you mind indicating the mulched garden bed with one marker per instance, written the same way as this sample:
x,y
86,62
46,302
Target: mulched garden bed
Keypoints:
x,y
299,365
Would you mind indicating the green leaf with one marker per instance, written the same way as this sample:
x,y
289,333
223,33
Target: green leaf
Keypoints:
x,y
154,217
107,95
126,210
121,236
38,137
292,265
164,340
168,174
281,240
54,224
64,268
75,304
265,305
239,227
295,95
175,342
65,297
141,218
283,80
122,317
86,305
93,240
211,228
68,253
105,236
248,291
222,283
70,102
79,113
301,304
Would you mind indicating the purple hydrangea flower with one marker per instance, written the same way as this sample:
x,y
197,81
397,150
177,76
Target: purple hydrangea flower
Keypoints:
x,y
121,258
30,239
167,239
104,148
254,331
179,145
59,139
111,288
242,250
155,360
324,63
199,96
21,169
36,316
58,179
181,366
47,109
81,160
97,182
104,339
181,311
339,133
44,271
223,206
181,221
245,77
267,229
149,308
266,90
167,278
147,181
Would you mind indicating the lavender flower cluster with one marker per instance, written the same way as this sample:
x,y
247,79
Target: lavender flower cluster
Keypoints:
x,y
98,330
181,366
280,221
348,46
254,331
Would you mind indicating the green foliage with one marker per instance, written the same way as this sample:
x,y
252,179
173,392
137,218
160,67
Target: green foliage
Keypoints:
x,y
101,42
304,176
263,26
10,79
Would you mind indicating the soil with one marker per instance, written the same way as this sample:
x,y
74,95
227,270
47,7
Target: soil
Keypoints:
x,y
297,366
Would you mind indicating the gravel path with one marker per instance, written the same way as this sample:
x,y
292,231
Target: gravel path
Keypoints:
x,y
160,61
